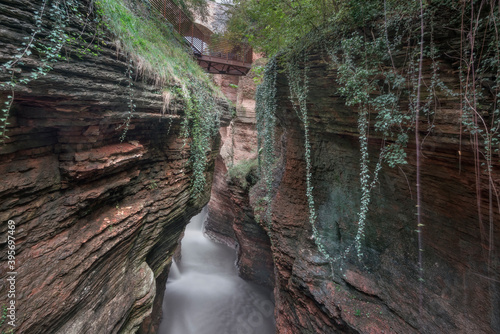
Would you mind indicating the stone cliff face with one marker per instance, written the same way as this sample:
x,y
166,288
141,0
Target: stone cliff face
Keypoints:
x,y
461,271
460,289
231,220
97,220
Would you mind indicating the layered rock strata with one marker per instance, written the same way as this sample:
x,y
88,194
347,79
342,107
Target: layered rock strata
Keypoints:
x,y
231,220
460,289
97,220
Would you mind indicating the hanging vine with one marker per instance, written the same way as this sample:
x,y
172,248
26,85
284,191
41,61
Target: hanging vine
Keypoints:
x,y
370,81
299,88
201,124
130,104
147,44
265,108
48,47
479,93
360,62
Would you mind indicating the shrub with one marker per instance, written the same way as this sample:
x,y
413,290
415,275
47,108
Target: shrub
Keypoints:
x,y
244,173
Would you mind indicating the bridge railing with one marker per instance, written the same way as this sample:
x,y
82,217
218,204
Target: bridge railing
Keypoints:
x,y
202,43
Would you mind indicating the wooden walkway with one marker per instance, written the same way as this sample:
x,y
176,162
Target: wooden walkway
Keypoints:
x,y
214,55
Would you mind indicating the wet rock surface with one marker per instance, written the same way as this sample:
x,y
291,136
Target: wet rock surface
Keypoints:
x,y
97,220
461,273
460,288
231,219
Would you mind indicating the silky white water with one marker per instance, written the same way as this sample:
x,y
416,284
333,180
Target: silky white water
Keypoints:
x,y
204,294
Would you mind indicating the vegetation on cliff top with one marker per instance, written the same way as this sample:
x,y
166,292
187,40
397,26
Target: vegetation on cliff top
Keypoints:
x,y
156,49
160,53
271,26
152,49
243,173
377,49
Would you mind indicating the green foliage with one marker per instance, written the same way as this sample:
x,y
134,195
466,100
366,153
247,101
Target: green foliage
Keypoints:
x,y
87,43
2,321
299,89
131,105
270,25
46,41
382,94
361,60
4,315
159,52
201,123
257,73
193,7
273,25
152,49
156,49
265,108
244,173
480,67
153,185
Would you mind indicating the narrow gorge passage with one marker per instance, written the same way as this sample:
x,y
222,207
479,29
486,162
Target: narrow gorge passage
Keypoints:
x,y
348,150
204,294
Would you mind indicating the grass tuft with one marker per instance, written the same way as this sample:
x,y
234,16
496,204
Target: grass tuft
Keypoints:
x,y
157,50
243,173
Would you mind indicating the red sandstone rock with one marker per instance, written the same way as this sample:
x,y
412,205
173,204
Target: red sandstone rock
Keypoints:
x,y
97,221
231,219
380,295
460,291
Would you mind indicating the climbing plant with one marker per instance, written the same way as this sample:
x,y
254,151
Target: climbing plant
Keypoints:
x,y
151,48
130,104
46,41
45,45
265,108
299,89
272,25
380,75
479,92
201,123
360,62
156,51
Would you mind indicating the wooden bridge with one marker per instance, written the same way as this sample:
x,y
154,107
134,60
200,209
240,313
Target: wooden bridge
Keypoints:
x,y
215,55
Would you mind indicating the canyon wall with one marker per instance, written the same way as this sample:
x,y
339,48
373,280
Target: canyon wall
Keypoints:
x,y
459,289
460,286
97,220
231,220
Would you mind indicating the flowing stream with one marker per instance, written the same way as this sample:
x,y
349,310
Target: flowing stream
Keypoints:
x,y
205,295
